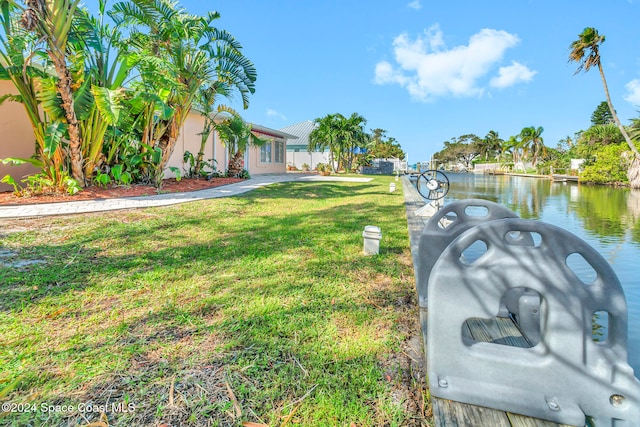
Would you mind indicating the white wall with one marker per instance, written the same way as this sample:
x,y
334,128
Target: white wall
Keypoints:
x,y
298,158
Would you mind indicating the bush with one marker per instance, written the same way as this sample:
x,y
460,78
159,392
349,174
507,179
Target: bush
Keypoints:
x,y
607,168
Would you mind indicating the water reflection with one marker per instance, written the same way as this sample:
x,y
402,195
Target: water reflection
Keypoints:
x,y
610,214
607,218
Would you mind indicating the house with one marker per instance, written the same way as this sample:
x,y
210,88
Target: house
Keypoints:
x,y
17,136
269,158
298,152
18,141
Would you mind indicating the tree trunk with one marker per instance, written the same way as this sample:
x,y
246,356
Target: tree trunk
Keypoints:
x,y
633,173
236,164
166,144
206,132
75,140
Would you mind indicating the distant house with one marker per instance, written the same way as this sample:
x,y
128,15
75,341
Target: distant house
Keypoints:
x,y
298,152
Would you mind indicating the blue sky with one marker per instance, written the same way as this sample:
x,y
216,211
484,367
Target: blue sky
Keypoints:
x,y
430,70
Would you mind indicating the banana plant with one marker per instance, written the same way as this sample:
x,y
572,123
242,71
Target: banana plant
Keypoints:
x,y
24,70
51,22
106,66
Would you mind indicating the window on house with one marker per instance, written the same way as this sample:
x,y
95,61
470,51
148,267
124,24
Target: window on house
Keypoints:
x,y
265,153
279,152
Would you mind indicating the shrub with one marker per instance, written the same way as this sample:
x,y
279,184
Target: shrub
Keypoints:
x,y
607,168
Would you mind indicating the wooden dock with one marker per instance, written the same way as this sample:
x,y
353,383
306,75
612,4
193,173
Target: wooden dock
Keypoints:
x,y
494,172
564,178
447,413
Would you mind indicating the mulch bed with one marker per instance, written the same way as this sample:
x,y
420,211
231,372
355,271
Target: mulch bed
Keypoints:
x,y
115,191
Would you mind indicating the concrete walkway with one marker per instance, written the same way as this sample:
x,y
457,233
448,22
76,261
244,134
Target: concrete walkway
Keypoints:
x,y
85,206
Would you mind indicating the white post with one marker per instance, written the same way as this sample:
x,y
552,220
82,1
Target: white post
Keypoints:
x,y
372,236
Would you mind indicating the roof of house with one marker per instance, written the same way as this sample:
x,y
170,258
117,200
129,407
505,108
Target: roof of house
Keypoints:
x,y
301,130
263,130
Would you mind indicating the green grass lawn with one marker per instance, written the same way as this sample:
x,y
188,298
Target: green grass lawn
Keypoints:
x,y
254,309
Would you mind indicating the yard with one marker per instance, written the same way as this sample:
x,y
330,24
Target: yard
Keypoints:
x,y
253,310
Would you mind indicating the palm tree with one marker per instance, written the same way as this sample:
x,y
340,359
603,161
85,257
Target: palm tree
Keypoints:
x,y
325,136
105,64
491,143
532,139
204,103
586,52
635,128
236,135
343,136
516,147
354,136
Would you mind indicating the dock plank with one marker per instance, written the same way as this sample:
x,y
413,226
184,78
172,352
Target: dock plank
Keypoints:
x,y
518,420
499,330
447,413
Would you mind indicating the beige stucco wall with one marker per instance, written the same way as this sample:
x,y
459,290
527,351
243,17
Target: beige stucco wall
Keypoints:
x,y
16,136
17,140
214,149
256,167
189,140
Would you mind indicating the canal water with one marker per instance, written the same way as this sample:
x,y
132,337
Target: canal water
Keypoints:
x,y
606,218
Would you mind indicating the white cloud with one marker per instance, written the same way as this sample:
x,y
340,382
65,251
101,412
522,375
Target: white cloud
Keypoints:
x,y
512,75
633,89
427,69
274,113
415,4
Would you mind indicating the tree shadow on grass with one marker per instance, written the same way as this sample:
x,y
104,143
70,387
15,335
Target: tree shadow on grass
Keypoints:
x,y
162,245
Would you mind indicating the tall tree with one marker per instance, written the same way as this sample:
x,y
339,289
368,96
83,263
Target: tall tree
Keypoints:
x,y
205,103
490,144
532,140
354,137
236,135
385,147
602,115
517,148
325,136
19,67
342,136
586,52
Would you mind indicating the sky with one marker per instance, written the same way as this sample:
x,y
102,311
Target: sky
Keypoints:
x,y
427,71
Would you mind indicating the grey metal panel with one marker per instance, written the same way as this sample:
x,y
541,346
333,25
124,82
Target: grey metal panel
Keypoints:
x,y
442,229
566,375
